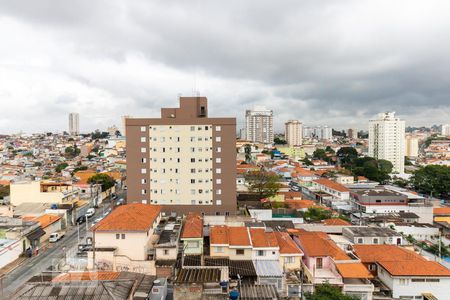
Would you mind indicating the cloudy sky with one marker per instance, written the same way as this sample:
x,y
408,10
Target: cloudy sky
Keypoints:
x,y
322,62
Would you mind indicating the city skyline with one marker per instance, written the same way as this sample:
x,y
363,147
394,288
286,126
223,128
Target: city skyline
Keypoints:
x,y
334,72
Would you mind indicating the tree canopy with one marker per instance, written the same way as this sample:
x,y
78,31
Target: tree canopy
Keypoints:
x,y
371,168
432,179
347,156
105,180
263,183
60,167
279,141
316,214
327,292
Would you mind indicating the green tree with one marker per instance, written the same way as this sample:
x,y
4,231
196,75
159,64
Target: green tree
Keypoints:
x,y
4,191
105,180
328,292
278,141
347,156
316,214
320,154
60,167
248,153
307,161
369,167
72,151
264,184
432,179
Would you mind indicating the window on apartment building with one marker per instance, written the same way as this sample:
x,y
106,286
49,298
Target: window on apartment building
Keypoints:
x,y
218,171
193,202
218,128
218,160
192,149
218,181
143,191
219,249
144,201
218,139
193,160
143,139
123,236
218,202
239,251
219,149
261,253
192,180
199,128
192,171
143,150
142,128
192,192
143,160
143,171
192,128
218,192
117,236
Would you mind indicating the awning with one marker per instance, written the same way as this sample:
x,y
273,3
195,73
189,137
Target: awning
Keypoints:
x,y
268,268
36,234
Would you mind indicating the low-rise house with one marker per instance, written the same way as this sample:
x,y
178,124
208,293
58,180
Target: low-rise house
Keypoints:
x,y
49,223
231,242
122,240
372,235
166,248
405,273
192,235
418,231
335,190
290,253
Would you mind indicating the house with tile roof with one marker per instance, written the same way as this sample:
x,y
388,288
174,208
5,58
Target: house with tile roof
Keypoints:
x,y
405,273
192,235
324,261
335,190
123,239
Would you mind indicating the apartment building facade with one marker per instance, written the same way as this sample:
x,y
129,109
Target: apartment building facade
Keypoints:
x,y
183,161
259,125
74,124
387,140
294,132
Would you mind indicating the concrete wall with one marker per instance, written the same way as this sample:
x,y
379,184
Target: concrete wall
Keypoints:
x,y
171,253
31,192
134,245
10,253
193,246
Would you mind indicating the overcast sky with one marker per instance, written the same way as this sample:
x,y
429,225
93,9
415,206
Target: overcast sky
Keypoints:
x,y
336,63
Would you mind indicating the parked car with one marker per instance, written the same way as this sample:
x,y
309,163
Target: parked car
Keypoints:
x,y
90,212
81,219
114,196
120,201
56,236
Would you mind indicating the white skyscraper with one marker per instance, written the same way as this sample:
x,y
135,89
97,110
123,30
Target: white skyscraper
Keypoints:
x,y
387,140
293,132
74,124
445,129
318,132
259,125
411,146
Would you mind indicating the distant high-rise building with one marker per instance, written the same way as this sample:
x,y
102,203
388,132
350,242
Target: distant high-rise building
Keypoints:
x,y
352,133
387,140
183,161
74,124
318,132
411,146
293,132
445,129
259,125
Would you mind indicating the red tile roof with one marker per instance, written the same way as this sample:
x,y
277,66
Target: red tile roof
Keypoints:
x,y
218,235
441,211
262,239
233,236
286,244
353,270
193,227
332,185
335,222
316,244
129,217
47,219
416,268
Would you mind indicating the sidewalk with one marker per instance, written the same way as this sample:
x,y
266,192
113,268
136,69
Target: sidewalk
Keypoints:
x,y
11,266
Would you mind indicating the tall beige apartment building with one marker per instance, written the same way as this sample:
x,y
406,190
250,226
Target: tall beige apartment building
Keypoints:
x,y
259,125
411,146
74,124
183,161
293,132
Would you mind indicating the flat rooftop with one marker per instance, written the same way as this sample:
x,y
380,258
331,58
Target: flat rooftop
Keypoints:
x,y
373,231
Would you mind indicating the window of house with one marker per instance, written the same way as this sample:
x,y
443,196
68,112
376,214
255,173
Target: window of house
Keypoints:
x,y
123,236
372,267
360,241
403,281
219,249
289,259
375,241
319,263
166,252
239,251
261,253
117,236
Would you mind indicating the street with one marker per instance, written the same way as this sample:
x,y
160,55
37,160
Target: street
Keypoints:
x,y
53,255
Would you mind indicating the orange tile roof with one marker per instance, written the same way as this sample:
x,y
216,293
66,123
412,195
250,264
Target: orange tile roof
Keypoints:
x,y
441,211
193,227
218,235
416,268
300,204
238,236
290,195
91,276
86,174
319,244
335,222
332,185
353,270
129,217
286,244
47,219
262,239
233,236
374,253
304,172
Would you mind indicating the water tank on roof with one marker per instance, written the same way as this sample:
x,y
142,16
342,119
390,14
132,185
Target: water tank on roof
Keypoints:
x,y
54,206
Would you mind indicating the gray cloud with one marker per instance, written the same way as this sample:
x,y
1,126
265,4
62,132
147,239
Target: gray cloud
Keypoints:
x,y
323,62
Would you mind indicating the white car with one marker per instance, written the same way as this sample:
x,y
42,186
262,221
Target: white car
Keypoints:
x,y
90,212
56,236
